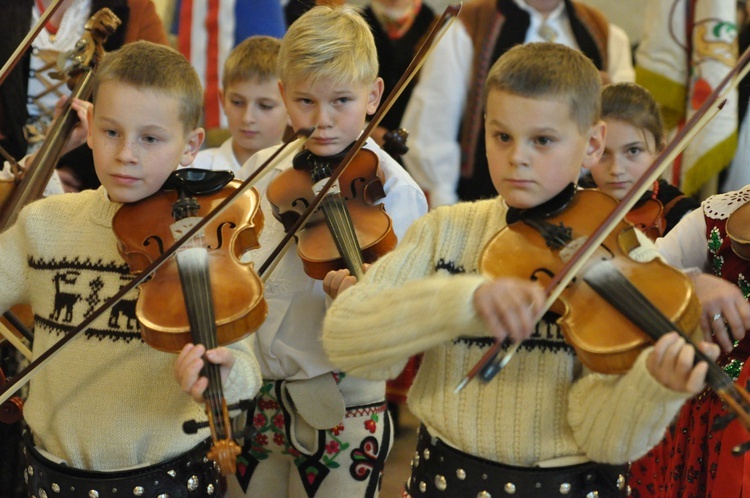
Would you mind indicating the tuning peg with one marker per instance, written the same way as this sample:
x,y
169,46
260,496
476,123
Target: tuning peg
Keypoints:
x,y
192,426
741,449
722,421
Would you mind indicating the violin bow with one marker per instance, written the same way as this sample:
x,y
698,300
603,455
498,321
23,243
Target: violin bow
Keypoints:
x,y
439,28
26,42
490,364
85,57
27,373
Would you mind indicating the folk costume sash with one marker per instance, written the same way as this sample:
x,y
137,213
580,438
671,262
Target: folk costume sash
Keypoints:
x,y
484,21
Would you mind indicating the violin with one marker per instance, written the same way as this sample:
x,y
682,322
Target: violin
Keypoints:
x,y
82,61
737,227
204,294
648,215
350,229
536,248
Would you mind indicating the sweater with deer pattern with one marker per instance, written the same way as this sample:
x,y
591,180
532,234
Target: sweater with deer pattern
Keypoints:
x,y
106,400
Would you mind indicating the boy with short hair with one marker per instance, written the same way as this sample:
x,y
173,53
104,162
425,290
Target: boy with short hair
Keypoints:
x,y
105,414
540,427
251,101
320,431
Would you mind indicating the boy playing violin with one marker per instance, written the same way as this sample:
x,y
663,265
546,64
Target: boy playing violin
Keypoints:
x,y
546,425
320,431
105,414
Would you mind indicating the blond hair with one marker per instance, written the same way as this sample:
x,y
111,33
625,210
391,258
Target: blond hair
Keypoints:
x,y
633,104
150,66
329,42
255,57
550,70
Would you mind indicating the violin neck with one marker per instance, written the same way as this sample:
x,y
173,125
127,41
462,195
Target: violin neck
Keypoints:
x,y
340,223
195,279
620,293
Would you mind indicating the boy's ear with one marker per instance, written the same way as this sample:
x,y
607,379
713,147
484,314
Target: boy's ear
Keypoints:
x,y
281,91
90,127
595,147
221,99
373,98
192,146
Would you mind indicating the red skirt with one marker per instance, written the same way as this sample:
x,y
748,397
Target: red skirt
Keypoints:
x,y
692,461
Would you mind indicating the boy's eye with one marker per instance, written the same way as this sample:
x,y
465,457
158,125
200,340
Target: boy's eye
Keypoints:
x,y
150,139
343,100
503,137
634,151
237,103
543,141
110,133
267,107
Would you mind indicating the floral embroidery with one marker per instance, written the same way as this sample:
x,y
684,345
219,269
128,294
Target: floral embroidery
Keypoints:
x,y
365,459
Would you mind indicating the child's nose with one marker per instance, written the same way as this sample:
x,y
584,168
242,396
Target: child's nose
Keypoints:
x,y
125,152
323,118
518,155
248,116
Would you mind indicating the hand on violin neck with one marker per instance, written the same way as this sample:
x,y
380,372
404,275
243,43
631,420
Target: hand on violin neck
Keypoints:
x,y
672,363
84,110
724,310
509,307
337,281
190,362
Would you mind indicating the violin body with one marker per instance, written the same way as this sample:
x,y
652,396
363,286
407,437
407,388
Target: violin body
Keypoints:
x,y
648,217
738,230
361,185
605,340
237,291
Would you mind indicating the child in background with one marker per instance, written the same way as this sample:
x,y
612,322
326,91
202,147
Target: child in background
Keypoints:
x,y
252,103
635,136
546,425
320,431
105,414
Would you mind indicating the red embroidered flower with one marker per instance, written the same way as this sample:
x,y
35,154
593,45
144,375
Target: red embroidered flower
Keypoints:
x,y
332,447
261,439
278,420
259,420
337,430
371,426
278,439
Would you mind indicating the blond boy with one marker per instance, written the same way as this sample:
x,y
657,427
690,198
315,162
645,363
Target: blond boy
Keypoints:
x,y
105,414
251,102
546,425
321,432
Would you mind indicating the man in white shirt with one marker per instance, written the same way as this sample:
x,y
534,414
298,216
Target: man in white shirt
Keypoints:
x,y
444,116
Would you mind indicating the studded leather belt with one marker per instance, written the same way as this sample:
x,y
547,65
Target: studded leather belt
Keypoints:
x,y
439,470
190,475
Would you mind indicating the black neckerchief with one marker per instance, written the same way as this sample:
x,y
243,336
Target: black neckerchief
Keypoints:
x,y
549,208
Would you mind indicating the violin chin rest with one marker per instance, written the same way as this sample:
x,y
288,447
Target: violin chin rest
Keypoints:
x,y
197,182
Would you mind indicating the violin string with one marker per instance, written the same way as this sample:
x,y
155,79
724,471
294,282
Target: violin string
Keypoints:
x,y
342,230
193,267
348,233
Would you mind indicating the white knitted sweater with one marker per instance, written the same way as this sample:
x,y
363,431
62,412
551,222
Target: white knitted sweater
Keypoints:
x,y
544,405
107,400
